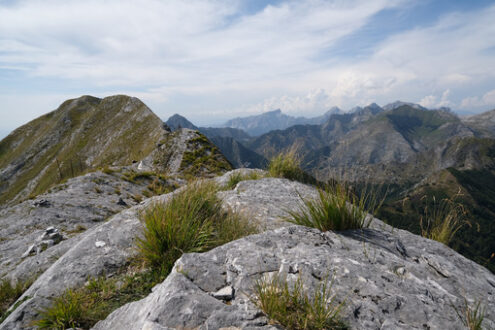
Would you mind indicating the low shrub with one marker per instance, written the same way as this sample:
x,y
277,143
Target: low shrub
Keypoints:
x,y
64,313
292,306
336,208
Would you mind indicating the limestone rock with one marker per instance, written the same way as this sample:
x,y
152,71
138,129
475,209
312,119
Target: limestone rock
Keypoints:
x,y
381,288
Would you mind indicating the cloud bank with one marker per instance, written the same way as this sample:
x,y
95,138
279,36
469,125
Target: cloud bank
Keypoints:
x,y
211,56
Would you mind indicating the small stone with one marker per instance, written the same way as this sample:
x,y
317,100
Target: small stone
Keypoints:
x,y
30,250
100,244
226,293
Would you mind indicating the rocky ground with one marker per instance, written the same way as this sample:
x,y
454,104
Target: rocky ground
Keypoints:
x,y
387,278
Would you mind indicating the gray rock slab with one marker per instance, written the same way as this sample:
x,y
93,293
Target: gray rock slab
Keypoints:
x,y
380,286
80,203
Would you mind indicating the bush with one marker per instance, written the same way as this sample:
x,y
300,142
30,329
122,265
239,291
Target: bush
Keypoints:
x,y
336,208
442,220
85,306
293,308
287,165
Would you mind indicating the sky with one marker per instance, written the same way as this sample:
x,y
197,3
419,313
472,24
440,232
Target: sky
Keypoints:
x,y
211,60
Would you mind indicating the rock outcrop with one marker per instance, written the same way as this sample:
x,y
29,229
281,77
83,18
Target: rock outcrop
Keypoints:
x,y
387,278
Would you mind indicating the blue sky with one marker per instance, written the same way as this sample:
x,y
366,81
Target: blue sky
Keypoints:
x,y
211,60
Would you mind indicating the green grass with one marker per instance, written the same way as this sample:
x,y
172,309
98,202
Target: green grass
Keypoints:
x,y
288,165
336,208
442,220
192,221
294,308
237,177
85,306
9,294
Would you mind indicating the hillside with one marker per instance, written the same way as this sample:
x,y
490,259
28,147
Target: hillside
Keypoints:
x,y
83,133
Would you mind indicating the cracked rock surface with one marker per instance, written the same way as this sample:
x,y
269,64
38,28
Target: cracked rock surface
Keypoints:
x,y
382,288
387,278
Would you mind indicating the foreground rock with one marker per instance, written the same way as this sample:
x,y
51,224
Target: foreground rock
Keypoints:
x,y
108,247
388,280
73,207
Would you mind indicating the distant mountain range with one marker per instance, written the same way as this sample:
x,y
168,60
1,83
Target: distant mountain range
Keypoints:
x,y
273,120
413,151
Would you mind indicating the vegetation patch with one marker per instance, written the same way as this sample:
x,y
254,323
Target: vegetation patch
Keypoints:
x,y
294,308
288,165
84,307
237,177
442,220
336,208
192,221
203,158
471,316
9,294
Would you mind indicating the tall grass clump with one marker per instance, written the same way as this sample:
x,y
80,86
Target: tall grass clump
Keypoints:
x,y
63,314
192,221
9,294
288,165
336,208
442,220
293,308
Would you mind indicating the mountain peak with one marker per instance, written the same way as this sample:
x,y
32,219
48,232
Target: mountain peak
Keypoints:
x,y
177,121
397,104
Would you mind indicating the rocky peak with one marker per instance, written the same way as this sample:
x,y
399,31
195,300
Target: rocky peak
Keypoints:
x,y
83,133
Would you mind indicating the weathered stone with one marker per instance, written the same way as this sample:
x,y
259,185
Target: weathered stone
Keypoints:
x,y
360,264
388,278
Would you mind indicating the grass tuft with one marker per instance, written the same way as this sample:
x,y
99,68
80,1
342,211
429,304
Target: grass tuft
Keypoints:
x,y
237,177
64,312
292,306
9,294
192,221
443,219
288,165
336,208
471,316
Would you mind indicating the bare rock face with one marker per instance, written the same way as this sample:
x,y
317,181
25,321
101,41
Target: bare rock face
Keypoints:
x,y
31,232
387,278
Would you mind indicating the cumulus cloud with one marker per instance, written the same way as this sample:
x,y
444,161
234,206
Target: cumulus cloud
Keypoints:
x,y
488,99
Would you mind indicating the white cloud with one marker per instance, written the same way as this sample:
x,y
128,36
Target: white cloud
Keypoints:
x,y
209,56
488,99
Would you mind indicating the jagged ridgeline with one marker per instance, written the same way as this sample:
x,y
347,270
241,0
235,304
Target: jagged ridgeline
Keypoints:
x,y
89,133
